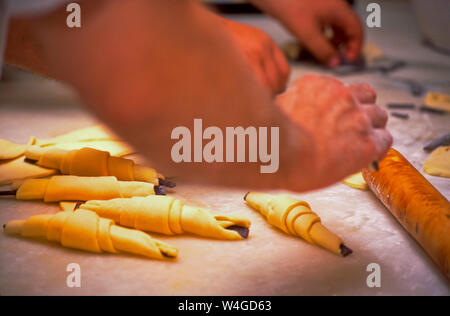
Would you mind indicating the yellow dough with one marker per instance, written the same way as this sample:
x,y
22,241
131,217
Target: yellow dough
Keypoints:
x,y
91,133
438,101
10,150
19,169
166,215
372,52
115,148
67,206
357,181
73,188
91,162
15,168
296,218
85,230
438,162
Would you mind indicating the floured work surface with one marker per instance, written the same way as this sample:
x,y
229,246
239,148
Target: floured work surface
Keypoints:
x,y
268,263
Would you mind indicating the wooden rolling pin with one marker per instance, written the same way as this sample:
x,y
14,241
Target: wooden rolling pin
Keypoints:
x,y
421,209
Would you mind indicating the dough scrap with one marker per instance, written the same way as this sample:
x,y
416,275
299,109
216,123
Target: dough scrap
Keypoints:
x,y
356,181
438,162
85,230
372,52
73,188
169,216
438,101
295,217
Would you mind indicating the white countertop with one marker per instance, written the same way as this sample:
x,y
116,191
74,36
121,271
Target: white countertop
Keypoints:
x,y
269,262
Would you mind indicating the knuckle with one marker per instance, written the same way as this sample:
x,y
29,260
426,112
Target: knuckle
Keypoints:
x,y
382,140
362,123
345,96
369,89
382,113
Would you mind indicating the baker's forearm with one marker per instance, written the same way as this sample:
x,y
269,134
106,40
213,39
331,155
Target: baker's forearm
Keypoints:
x,y
147,67
30,37
22,49
193,72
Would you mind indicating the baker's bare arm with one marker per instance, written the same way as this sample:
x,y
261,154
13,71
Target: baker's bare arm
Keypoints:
x,y
146,67
22,50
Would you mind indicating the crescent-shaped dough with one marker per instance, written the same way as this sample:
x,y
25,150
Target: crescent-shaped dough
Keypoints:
x,y
167,215
85,230
73,188
91,162
295,217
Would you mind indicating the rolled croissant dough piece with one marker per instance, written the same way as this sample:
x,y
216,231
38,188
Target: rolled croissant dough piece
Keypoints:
x,y
169,216
93,137
91,162
73,188
295,217
85,230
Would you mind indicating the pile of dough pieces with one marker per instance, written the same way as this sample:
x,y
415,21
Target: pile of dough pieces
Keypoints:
x,y
109,204
118,201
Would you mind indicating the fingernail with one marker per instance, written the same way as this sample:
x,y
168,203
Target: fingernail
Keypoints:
x,y
333,62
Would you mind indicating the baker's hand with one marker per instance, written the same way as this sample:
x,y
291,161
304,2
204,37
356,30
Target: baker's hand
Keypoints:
x,y
307,19
264,57
345,129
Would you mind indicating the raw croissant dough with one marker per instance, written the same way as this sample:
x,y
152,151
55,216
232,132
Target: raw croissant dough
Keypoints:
x,y
296,218
73,188
10,150
438,162
15,168
166,215
85,230
91,162
67,206
91,133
